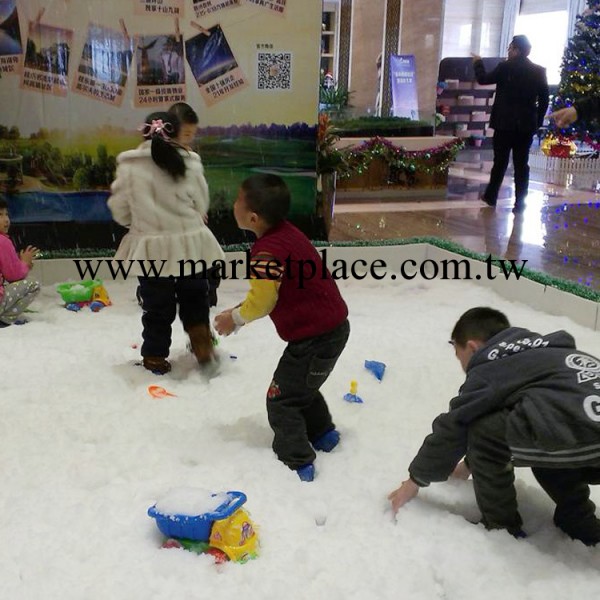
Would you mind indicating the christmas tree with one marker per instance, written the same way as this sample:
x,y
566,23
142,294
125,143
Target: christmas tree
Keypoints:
x,y
580,72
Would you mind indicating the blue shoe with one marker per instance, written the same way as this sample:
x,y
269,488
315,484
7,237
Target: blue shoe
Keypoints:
x,y
328,441
519,534
307,472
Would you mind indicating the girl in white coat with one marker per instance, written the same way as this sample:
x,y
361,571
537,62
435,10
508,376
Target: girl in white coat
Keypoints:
x,y
161,195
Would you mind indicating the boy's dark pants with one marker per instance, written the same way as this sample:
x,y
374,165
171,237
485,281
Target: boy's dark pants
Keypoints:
x,y
160,298
489,459
297,411
575,513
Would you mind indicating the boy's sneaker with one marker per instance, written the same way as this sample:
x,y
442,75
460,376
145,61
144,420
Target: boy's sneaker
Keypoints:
x,y
328,441
586,531
515,530
306,472
517,533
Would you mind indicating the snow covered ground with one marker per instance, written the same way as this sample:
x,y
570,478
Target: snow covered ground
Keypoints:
x,y
85,450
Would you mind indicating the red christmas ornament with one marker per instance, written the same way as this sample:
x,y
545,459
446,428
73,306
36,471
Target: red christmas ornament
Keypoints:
x,y
562,149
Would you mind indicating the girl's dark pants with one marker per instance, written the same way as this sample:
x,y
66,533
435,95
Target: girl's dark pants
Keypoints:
x,y
160,298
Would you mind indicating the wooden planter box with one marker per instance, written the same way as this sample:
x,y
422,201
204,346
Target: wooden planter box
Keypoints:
x,y
403,132
381,180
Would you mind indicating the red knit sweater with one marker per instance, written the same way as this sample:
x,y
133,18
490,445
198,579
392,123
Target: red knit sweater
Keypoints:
x,y
308,306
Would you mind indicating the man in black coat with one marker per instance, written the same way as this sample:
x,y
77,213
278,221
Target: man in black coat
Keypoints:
x,y
518,112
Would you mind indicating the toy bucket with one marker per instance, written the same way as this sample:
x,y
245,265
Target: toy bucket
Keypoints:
x,y
77,291
196,527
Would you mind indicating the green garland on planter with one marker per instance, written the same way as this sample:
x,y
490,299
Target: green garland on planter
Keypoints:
x,y
77,253
549,280
432,160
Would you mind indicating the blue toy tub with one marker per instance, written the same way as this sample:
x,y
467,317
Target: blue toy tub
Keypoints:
x,y
196,527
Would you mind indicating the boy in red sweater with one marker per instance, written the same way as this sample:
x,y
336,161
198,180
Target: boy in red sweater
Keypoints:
x,y
16,292
289,284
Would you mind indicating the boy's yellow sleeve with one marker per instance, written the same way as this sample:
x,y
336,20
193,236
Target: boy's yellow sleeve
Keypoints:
x,y
261,299
265,280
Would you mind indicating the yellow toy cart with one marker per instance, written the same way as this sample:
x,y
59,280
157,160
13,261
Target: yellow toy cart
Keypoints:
x,y
227,533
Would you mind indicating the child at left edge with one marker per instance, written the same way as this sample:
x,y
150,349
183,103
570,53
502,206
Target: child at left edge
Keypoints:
x,y
16,292
309,314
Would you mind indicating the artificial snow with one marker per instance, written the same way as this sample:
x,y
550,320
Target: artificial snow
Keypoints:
x,y
190,502
85,450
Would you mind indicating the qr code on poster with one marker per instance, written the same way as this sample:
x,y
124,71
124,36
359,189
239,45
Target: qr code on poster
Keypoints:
x,y
274,70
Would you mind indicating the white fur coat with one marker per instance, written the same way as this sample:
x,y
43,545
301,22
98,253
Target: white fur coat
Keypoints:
x,y
165,217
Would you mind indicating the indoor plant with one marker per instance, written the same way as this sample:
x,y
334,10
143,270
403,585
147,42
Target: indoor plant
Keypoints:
x,y
330,161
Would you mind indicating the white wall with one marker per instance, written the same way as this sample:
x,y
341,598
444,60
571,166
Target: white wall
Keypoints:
x,y
542,297
472,26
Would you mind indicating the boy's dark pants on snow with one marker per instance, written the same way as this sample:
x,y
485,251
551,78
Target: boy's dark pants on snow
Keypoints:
x,y
575,513
160,298
297,411
489,459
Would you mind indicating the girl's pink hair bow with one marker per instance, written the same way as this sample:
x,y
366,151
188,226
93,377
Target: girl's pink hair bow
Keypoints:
x,y
156,127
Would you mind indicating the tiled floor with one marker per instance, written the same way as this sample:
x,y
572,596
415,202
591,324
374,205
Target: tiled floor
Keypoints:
x,y
558,234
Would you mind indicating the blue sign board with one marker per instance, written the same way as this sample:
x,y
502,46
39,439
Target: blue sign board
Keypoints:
x,y
403,74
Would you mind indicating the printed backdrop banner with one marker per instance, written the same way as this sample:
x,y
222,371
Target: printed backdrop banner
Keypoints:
x,y
109,43
403,73
215,69
173,8
11,48
204,8
78,78
160,70
275,6
104,65
46,66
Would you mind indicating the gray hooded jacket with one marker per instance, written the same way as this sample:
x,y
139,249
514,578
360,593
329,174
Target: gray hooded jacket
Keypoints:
x,y
551,392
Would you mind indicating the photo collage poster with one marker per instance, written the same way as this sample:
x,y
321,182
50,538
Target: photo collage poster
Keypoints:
x,y
160,70
239,47
90,72
46,63
103,70
275,6
104,66
11,48
214,66
171,8
206,8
